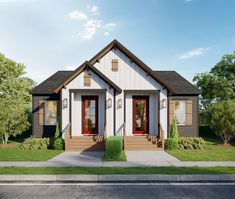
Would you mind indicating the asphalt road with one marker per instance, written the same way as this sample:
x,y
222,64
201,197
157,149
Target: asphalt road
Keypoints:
x,y
163,191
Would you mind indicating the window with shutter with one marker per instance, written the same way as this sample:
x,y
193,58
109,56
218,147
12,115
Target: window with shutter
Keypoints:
x,y
181,110
114,64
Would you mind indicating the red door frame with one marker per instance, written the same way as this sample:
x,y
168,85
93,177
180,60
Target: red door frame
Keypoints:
x,y
94,131
135,99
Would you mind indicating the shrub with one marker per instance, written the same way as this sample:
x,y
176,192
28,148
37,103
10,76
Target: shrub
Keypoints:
x,y
35,143
114,146
58,144
191,143
171,144
174,130
57,131
222,120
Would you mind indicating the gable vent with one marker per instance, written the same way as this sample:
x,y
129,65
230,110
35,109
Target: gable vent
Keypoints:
x,y
114,64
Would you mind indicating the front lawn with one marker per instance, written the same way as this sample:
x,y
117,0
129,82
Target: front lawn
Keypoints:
x,y
117,170
17,154
211,152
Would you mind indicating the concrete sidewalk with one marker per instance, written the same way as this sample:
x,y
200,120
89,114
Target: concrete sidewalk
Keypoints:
x,y
115,178
134,159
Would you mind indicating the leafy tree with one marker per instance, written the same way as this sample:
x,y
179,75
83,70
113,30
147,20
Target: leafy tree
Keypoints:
x,y
222,120
219,84
14,98
13,119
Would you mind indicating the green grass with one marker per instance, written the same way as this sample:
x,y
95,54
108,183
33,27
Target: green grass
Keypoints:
x,y
211,152
117,170
17,154
121,157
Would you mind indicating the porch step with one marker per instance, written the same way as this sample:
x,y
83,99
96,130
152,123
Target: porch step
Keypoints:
x,y
85,143
140,143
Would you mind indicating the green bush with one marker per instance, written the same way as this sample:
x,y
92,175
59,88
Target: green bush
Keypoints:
x,y
58,144
35,143
114,146
222,120
191,143
171,144
57,131
174,134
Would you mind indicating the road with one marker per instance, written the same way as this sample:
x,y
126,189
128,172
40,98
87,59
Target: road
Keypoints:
x,y
162,191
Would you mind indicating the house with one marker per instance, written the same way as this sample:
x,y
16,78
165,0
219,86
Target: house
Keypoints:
x,y
114,93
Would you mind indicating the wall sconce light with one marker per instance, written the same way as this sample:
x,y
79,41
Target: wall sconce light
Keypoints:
x,y
119,104
164,103
109,103
65,103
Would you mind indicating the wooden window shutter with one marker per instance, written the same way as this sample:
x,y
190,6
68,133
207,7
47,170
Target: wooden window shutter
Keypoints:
x,y
114,64
87,80
189,111
171,110
41,112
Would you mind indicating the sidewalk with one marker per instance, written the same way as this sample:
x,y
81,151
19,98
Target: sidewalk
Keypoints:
x,y
152,178
134,159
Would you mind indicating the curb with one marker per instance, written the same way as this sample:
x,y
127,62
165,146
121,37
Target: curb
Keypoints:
x,y
116,178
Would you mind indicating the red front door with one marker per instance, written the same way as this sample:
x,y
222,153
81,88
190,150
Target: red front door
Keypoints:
x,y
89,114
140,115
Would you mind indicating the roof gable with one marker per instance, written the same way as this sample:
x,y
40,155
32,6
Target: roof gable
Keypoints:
x,y
87,66
117,45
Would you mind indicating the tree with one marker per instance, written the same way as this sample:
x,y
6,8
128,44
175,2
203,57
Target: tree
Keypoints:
x,y
13,119
219,84
222,120
174,130
14,98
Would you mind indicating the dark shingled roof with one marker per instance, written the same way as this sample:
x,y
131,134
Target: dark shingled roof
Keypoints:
x,y
179,85
49,85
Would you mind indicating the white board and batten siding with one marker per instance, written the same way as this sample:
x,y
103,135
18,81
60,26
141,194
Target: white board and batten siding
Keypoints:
x,y
129,76
76,104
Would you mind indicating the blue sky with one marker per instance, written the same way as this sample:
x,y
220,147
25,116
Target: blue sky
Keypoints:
x,y
188,36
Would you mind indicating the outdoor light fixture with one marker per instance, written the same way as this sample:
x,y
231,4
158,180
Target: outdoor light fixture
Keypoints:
x,y
109,103
119,103
164,103
65,103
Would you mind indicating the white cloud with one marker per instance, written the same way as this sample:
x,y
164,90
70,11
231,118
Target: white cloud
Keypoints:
x,y
110,26
93,9
78,15
106,33
90,29
71,67
194,53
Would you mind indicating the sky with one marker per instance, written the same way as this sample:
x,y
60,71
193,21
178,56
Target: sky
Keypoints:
x,y
188,36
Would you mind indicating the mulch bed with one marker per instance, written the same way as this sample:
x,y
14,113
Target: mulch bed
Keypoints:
x,y
7,145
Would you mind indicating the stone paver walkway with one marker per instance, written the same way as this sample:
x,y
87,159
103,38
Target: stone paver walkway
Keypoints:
x,y
134,159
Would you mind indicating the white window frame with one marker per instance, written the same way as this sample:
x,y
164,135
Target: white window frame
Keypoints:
x,y
185,101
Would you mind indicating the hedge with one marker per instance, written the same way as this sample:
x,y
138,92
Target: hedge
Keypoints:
x,y
35,143
191,143
114,146
171,144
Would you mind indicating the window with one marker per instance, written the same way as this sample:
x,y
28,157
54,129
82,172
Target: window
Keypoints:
x,y
50,112
180,112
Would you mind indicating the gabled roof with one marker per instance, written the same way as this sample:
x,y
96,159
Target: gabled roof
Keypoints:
x,y
48,86
86,65
117,45
179,85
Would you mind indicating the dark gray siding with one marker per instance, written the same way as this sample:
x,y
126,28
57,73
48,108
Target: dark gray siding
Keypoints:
x,y
43,130
192,130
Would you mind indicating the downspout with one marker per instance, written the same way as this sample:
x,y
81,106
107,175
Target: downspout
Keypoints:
x,y
114,112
